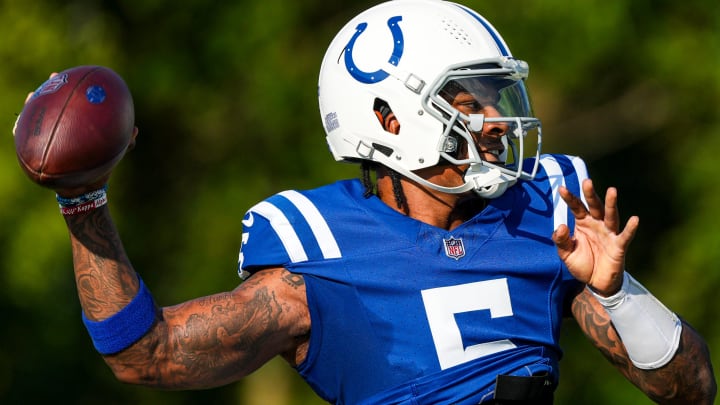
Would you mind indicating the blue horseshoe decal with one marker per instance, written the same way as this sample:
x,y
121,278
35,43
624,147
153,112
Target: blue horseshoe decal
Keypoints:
x,y
378,75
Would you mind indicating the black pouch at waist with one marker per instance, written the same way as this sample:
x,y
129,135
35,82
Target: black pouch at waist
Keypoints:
x,y
518,390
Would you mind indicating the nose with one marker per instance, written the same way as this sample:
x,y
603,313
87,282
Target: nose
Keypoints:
x,y
493,128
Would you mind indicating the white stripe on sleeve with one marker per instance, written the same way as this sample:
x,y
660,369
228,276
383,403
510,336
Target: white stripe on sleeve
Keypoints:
x,y
582,174
318,225
556,179
283,229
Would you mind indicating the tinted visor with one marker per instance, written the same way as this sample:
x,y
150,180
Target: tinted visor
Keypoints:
x,y
509,97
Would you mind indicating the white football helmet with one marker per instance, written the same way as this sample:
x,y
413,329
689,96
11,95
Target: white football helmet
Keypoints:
x,y
408,55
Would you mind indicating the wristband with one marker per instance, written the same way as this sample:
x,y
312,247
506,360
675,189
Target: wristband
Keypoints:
x,y
649,331
83,203
124,328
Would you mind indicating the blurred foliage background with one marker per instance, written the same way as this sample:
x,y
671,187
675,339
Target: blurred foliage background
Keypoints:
x,y
225,96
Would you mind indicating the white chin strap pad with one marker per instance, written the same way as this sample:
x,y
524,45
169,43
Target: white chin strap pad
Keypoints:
x,y
648,329
488,182
490,192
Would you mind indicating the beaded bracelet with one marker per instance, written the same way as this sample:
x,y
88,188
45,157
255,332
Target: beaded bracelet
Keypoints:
x,y
84,202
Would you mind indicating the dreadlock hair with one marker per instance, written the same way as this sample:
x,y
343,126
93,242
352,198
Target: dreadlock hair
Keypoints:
x,y
398,191
385,117
366,167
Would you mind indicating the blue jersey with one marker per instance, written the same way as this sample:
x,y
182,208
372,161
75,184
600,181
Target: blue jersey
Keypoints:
x,y
405,312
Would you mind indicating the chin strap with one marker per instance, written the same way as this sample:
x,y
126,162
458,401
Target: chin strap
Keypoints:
x,y
493,184
488,182
494,191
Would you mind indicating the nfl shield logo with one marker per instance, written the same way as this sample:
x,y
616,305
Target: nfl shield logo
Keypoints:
x,y
454,248
51,85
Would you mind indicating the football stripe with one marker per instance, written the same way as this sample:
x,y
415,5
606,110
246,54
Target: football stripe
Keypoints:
x,y
556,179
284,230
318,225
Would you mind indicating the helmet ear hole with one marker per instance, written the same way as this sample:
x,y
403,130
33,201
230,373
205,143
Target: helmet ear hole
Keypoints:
x,y
385,115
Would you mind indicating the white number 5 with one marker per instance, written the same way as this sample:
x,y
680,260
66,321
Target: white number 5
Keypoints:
x,y
441,305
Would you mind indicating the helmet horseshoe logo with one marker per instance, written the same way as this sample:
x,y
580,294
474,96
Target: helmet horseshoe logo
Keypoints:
x,y
378,75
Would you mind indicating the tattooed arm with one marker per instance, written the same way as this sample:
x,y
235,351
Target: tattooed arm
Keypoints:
x,y
686,379
668,360
202,343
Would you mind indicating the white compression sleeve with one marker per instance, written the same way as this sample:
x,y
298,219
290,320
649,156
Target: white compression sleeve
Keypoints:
x,y
648,329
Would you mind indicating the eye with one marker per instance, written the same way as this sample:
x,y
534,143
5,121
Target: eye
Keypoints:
x,y
466,103
472,106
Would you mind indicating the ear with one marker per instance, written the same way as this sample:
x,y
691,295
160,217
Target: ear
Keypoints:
x,y
386,117
392,124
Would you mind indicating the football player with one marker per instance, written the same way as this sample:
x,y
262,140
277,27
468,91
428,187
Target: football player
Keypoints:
x,y
440,276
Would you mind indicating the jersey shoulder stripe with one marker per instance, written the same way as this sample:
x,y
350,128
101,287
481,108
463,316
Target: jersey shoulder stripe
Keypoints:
x,y
319,227
296,223
567,171
283,228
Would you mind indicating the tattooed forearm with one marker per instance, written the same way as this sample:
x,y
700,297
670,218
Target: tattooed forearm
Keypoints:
x,y
597,326
688,378
201,343
106,282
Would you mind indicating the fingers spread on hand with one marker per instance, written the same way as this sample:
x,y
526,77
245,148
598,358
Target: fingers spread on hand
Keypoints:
x,y
595,204
565,244
612,215
628,233
133,138
574,203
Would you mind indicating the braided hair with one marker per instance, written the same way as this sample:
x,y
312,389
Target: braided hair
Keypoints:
x,y
385,117
367,167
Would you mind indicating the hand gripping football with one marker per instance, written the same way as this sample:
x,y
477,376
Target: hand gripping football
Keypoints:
x,y
75,127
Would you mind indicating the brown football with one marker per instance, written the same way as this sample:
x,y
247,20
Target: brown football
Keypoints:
x,y
75,127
